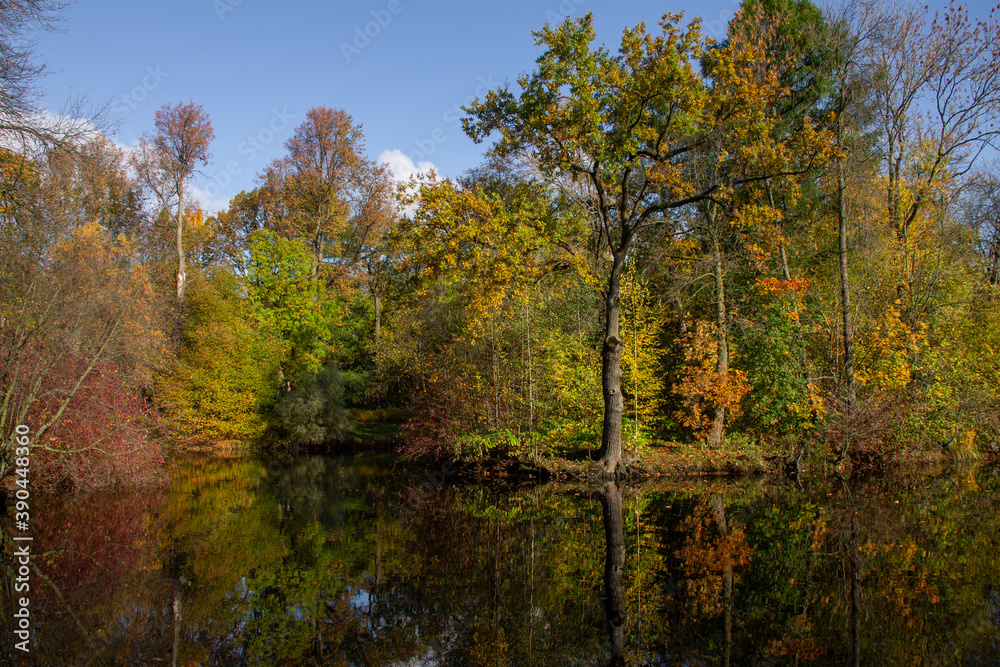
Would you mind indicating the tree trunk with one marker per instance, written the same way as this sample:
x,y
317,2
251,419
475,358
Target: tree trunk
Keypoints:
x,y
682,327
721,337
635,354
178,603
181,264
994,261
531,386
611,373
495,353
845,295
855,590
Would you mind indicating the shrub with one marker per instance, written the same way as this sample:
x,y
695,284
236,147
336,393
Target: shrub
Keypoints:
x,y
313,412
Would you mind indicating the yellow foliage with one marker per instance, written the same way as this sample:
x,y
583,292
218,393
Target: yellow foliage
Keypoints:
x,y
116,292
886,355
640,328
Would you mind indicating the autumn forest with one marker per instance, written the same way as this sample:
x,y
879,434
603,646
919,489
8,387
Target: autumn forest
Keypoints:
x,y
783,244
699,365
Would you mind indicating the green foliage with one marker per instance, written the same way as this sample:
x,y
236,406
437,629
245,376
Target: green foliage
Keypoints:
x,y
495,443
798,45
313,411
286,296
773,351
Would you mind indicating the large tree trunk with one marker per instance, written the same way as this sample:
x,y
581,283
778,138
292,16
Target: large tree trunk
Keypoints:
x,y
721,337
611,373
845,296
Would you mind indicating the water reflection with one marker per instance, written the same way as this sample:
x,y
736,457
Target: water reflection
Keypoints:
x,y
329,561
614,567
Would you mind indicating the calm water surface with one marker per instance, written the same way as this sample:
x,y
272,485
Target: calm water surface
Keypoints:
x,y
339,561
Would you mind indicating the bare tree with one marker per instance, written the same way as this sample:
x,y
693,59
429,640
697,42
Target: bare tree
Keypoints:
x,y
981,213
852,30
935,91
24,126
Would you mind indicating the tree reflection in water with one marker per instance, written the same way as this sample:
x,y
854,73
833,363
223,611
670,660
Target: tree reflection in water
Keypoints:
x,y
326,561
614,567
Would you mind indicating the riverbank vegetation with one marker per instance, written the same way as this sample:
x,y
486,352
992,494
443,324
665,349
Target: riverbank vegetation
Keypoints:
x,y
782,244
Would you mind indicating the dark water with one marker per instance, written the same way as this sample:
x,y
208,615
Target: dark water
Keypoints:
x,y
325,561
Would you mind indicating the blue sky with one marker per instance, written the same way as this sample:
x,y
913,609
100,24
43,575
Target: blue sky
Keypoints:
x,y
401,68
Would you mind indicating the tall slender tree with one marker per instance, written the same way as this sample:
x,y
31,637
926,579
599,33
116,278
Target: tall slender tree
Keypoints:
x,y
166,162
851,33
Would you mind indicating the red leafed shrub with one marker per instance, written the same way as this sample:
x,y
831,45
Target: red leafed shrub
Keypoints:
x,y
102,437
80,336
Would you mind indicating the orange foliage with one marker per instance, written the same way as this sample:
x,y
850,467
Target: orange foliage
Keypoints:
x,y
703,387
706,555
777,287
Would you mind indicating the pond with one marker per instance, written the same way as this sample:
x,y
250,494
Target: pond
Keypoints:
x,y
367,561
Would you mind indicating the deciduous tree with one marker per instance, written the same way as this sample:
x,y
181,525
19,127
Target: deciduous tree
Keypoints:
x,y
328,194
166,161
627,127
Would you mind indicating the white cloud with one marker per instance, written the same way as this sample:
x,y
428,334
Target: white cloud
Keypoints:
x,y
211,198
402,166
22,138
